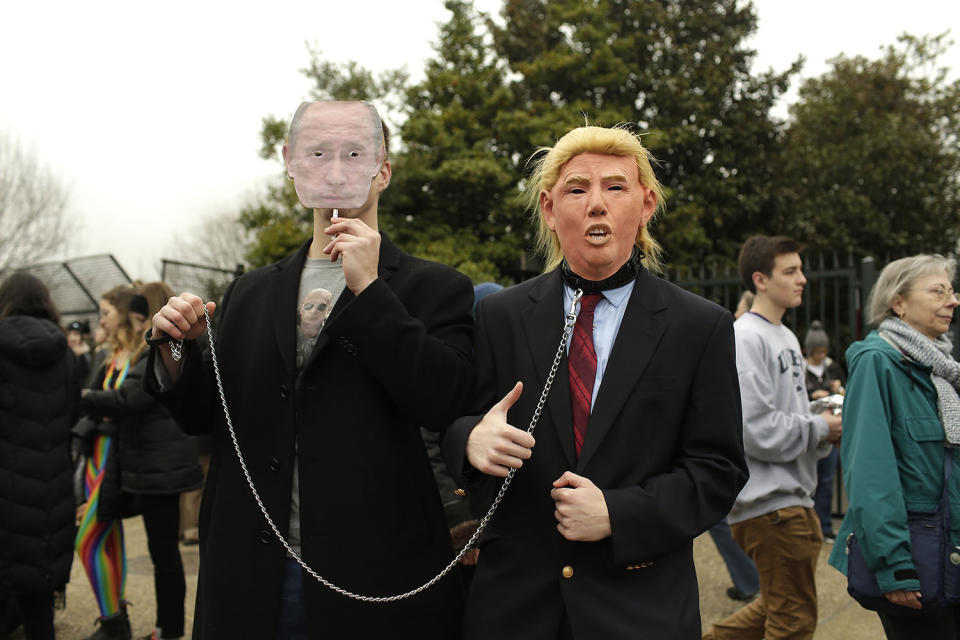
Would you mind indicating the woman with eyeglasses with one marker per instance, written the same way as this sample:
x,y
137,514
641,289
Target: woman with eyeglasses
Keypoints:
x,y
901,414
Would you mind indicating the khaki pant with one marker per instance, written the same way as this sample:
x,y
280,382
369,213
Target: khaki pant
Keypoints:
x,y
784,544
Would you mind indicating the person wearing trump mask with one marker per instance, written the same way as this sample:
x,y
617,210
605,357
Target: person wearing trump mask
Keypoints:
x,y
638,447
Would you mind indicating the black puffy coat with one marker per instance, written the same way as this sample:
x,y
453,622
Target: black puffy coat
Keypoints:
x,y
156,456
39,390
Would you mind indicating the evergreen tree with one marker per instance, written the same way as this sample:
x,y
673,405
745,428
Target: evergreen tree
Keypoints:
x,y
872,160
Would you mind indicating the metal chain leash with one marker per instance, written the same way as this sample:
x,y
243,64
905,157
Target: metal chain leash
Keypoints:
x,y
569,321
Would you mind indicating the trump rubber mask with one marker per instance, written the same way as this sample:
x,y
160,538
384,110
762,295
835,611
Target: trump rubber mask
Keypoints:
x,y
334,151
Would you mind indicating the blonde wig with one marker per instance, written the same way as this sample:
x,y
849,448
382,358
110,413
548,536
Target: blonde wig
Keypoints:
x,y
616,141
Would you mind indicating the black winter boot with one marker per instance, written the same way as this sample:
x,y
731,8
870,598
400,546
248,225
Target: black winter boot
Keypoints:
x,y
114,628
127,632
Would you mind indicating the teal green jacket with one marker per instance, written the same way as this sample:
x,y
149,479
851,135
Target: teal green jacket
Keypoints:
x,y
892,458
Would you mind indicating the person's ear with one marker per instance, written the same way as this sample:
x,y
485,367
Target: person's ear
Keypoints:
x,y
897,306
386,171
759,281
649,206
546,210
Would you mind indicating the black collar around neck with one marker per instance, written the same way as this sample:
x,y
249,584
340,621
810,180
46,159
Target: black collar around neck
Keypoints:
x,y
624,274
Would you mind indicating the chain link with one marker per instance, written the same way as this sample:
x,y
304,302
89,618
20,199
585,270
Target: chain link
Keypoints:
x,y
569,321
176,346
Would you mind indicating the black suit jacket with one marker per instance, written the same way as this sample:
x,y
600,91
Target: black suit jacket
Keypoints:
x,y
389,360
663,443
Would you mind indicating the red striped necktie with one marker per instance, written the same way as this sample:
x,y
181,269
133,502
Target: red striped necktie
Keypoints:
x,y
582,367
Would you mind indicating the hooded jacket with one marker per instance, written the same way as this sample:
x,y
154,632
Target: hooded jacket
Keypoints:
x,y
892,457
39,390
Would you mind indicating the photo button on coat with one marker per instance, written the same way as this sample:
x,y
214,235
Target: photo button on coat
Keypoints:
x,y
567,572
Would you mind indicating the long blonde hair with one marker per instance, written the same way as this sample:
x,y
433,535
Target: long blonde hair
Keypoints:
x,y
615,141
128,337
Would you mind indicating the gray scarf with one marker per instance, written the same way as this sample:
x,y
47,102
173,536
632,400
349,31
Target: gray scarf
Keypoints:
x,y
945,371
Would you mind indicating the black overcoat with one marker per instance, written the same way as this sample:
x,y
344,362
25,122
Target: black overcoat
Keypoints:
x,y
39,390
387,361
663,443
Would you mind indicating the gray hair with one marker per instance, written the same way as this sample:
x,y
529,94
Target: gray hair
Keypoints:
x,y
898,276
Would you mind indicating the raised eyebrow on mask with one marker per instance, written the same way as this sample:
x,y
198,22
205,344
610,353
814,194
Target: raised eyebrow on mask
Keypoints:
x,y
613,178
576,180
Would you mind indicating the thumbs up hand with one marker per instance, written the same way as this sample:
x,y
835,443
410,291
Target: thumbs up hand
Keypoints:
x,y
494,446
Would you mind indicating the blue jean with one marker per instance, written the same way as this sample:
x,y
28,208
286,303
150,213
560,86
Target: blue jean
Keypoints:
x,y
292,624
823,496
742,570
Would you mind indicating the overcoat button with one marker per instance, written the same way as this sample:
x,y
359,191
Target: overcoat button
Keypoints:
x,y
265,537
274,464
283,391
955,558
567,572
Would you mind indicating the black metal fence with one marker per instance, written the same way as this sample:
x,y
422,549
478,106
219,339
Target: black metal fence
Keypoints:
x,y
77,284
836,294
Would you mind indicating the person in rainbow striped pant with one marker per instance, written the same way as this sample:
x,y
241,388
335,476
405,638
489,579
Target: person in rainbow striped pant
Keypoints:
x,y
99,542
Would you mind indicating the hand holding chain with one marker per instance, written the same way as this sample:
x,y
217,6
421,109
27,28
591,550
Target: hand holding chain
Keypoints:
x,y
570,319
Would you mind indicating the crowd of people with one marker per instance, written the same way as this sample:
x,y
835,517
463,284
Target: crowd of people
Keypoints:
x,y
81,435
359,402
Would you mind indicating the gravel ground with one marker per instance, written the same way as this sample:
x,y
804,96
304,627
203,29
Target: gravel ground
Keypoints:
x,y
840,617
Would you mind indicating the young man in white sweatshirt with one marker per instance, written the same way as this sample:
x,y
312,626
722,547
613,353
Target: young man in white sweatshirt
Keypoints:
x,y
773,518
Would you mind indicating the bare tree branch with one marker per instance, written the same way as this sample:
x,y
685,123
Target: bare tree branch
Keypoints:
x,y
33,201
217,240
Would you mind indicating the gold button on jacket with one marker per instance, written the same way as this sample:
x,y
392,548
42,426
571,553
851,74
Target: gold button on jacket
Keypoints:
x,y
567,571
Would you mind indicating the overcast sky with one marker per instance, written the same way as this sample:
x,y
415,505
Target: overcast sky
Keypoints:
x,y
150,113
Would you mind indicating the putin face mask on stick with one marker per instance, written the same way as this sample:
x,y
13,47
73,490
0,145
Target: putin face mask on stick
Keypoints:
x,y
333,152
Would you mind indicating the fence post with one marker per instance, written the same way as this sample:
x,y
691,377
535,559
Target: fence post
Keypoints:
x,y
868,276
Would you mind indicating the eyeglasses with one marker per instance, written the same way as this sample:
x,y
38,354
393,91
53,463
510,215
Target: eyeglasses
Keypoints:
x,y
941,293
307,306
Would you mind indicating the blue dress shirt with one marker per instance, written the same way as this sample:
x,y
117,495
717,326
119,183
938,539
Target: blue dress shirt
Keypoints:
x,y
606,323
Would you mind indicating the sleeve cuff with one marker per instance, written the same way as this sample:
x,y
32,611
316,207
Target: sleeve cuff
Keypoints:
x,y
822,429
888,580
